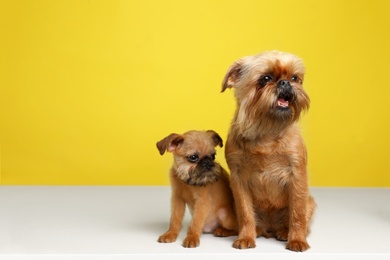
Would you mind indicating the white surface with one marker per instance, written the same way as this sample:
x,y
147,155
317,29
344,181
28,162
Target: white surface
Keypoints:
x,y
114,222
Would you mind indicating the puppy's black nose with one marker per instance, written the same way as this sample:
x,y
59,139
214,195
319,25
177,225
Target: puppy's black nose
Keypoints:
x,y
207,163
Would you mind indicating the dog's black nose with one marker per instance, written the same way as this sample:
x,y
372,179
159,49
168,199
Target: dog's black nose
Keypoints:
x,y
285,90
284,84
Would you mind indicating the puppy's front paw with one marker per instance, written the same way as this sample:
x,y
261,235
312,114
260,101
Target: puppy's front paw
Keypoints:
x,y
244,243
191,242
297,246
167,237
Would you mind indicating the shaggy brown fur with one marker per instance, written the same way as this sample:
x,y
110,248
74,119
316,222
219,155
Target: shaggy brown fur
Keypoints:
x,y
265,151
202,184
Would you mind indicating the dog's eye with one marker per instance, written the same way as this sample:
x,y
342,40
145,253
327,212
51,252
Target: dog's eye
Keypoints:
x,y
213,157
264,80
294,78
193,158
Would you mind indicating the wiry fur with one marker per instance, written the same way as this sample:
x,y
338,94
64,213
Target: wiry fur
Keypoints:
x,y
203,186
266,153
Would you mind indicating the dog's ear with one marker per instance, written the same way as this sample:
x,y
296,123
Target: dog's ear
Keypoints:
x,y
216,138
232,75
169,143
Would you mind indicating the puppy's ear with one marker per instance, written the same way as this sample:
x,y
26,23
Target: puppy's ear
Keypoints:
x,y
232,75
169,143
216,138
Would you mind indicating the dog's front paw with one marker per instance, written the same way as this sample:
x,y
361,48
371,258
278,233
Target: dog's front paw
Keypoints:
x,y
244,243
167,237
297,246
191,242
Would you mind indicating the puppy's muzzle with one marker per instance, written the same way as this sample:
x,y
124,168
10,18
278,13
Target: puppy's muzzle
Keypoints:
x,y
204,173
207,164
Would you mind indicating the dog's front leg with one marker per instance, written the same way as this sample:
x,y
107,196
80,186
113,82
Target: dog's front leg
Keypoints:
x,y
199,215
177,214
298,199
245,214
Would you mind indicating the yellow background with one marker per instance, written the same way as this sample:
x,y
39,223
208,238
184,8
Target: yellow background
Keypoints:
x,y
88,87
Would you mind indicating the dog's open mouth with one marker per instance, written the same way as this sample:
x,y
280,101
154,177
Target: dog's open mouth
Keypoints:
x,y
282,102
284,99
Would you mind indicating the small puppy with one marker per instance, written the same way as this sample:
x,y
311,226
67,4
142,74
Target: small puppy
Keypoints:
x,y
200,183
265,151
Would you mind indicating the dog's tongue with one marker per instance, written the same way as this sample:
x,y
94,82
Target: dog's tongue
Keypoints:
x,y
282,102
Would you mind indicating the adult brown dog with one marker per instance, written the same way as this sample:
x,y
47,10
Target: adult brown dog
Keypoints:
x,y
198,181
265,151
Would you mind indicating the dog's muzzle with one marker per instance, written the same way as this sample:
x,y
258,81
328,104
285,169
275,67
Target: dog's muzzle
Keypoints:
x,y
285,94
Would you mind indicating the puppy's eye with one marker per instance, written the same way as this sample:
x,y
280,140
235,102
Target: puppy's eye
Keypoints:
x,y
264,80
193,158
213,157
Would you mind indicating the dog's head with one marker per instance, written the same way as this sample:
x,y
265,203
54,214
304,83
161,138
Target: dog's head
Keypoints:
x,y
194,155
268,89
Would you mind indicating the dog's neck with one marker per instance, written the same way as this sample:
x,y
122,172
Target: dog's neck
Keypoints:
x,y
262,143
261,129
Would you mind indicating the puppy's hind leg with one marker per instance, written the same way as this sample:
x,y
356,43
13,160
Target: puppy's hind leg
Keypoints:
x,y
229,226
223,232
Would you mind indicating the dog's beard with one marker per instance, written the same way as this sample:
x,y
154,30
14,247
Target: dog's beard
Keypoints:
x,y
268,111
194,175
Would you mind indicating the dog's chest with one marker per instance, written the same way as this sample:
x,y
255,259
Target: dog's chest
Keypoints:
x,y
270,168
268,178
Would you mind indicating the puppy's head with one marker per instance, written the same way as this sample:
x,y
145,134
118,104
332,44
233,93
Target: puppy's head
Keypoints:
x,y
268,89
194,155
